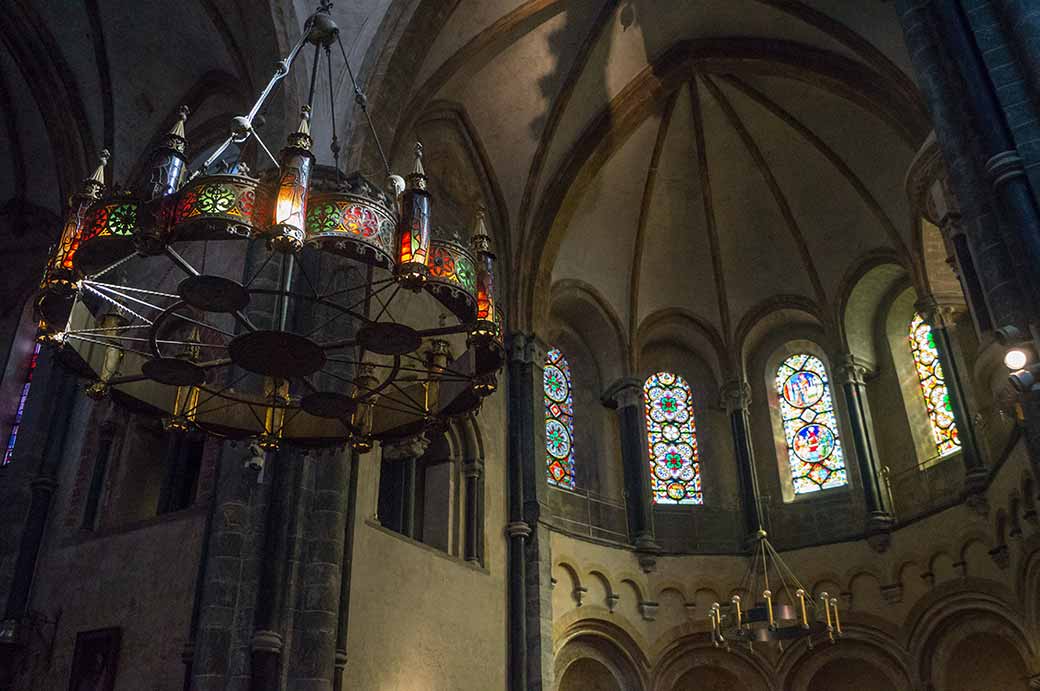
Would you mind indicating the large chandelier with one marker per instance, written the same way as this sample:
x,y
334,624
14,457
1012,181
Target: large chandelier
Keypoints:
x,y
299,305
776,607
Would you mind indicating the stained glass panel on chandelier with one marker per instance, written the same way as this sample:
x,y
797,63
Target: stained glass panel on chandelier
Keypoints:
x,y
814,450
675,468
559,420
933,387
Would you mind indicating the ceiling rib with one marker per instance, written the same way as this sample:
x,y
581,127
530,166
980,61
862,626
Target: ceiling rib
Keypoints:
x,y
835,160
644,213
97,35
710,222
774,187
559,106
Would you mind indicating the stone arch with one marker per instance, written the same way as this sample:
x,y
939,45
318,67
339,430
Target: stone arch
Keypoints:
x,y
953,612
862,296
863,655
606,644
688,331
692,663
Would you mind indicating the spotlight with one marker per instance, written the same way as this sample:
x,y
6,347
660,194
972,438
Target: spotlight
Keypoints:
x,y
1024,380
1016,359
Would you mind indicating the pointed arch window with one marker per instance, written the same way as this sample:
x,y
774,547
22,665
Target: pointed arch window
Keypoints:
x,y
559,420
814,451
933,387
675,468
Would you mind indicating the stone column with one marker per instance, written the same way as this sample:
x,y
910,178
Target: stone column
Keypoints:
x,y
1021,19
955,132
626,397
530,562
406,452
942,319
223,647
312,650
49,449
268,627
473,484
343,621
876,497
736,398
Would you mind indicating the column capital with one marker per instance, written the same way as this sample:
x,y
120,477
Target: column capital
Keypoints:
x,y
525,348
623,393
853,369
939,314
405,449
735,395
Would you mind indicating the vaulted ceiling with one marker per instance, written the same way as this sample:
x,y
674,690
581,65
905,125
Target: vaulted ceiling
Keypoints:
x,y
719,158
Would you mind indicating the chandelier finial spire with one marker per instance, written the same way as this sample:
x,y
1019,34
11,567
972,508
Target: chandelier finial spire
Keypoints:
x,y
417,178
96,182
481,236
301,138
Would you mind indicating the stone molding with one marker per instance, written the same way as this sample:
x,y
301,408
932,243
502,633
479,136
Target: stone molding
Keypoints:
x,y
852,370
518,529
405,449
939,315
735,395
526,349
626,392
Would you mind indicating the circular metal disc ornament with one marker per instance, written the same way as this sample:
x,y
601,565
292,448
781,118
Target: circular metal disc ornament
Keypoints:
x,y
174,371
328,404
387,338
213,293
277,354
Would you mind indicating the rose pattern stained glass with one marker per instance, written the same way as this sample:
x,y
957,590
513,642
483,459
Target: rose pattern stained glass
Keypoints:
x,y
559,420
675,468
814,450
933,387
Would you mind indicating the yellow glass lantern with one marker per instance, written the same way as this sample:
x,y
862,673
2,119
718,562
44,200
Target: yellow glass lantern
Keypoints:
x,y
59,279
487,323
413,230
290,204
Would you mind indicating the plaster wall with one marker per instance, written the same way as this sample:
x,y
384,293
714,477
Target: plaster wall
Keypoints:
x,y
411,604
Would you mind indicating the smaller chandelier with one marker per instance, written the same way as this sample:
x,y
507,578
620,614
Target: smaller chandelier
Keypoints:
x,y
759,616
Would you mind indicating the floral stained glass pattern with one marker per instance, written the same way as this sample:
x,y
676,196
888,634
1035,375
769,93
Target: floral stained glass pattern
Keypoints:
x,y
675,468
12,437
814,451
559,420
933,387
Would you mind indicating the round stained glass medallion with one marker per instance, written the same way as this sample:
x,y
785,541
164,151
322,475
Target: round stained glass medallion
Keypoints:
x,y
814,443
676,491
555,384
557,439
804,388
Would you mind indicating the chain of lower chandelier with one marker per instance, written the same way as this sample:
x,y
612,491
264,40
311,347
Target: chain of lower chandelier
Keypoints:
x,y
300,305
775,610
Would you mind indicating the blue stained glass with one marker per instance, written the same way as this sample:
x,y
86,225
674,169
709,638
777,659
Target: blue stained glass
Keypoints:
x,y
559,420
814,450
675,469
16,424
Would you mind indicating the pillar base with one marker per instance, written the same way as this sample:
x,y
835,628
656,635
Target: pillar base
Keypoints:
x,y
646,552
975,483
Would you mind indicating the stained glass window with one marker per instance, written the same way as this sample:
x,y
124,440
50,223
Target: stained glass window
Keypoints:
x,y
814,450
559,420
12,437
675,468
933,387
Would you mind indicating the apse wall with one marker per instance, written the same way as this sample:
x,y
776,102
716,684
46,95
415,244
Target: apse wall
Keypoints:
x,y
905,612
